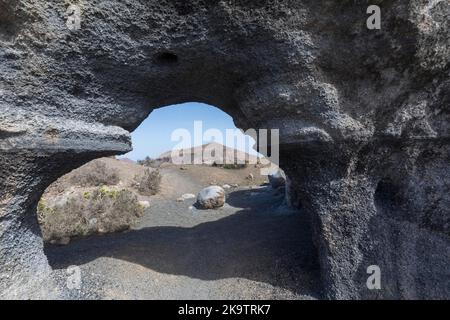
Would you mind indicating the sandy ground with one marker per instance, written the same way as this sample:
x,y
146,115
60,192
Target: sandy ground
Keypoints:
x,y
252,248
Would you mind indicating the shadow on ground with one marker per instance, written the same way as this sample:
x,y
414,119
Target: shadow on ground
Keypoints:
x,y
252,243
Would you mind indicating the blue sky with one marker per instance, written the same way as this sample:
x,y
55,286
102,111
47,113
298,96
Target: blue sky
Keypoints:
x,y
153,136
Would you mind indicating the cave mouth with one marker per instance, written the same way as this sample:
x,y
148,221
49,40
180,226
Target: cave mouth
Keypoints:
x,y
255,236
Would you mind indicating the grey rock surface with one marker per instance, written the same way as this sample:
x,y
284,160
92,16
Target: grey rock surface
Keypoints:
x,y
363,118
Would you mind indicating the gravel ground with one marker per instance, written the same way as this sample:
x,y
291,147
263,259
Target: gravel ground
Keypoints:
x,y
252,248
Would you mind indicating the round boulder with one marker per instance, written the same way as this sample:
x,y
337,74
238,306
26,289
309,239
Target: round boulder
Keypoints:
x,y
211,198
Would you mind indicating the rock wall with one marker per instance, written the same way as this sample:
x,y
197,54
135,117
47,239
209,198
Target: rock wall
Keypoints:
x,y
363,115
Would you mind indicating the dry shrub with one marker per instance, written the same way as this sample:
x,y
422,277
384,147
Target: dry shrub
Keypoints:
x,y
153,163
231,165
94,174
149,183
235,166
103,210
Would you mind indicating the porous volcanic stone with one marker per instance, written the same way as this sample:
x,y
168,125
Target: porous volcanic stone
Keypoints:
x,y
363,118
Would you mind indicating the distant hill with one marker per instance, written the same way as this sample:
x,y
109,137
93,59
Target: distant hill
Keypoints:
x,y
210,154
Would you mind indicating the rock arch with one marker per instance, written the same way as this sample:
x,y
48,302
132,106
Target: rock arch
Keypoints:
x,y
352,105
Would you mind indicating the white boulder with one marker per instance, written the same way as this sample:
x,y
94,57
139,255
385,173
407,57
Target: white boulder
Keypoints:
x,y
211,198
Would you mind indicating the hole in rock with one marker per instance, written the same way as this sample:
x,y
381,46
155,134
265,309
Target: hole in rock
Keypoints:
x,y
166,58
131,223
389,199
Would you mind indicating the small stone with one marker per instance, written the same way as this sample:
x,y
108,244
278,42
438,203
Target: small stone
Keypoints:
x,y
61,241
144,204
92,222
186,196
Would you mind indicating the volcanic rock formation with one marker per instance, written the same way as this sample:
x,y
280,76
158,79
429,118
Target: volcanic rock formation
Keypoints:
x,y
363,117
